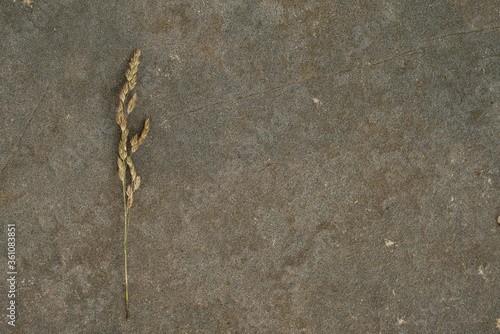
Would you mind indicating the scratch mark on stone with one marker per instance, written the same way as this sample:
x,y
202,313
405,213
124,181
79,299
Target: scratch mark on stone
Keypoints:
x,y
33,114
403,54
457,33
240,97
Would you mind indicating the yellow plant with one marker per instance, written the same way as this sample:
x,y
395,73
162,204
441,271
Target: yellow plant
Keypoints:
x,y
125,107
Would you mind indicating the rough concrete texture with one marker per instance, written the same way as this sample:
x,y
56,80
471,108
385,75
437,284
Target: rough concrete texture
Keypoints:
x,y
312,166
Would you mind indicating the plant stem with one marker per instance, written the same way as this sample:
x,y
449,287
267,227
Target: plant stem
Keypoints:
x,y
125,209
125,107
127,221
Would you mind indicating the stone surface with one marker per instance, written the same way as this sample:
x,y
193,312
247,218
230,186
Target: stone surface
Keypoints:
x,y
312,166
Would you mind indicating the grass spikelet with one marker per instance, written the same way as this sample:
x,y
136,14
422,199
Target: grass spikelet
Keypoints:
x,y
125,106
131,103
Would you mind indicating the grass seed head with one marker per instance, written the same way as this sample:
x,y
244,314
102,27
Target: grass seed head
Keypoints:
x,y
144,133
119,113
131,103
130,196
137,182
133,65
122,152
134,142
124,160
121,170
124,92
131,166
121,120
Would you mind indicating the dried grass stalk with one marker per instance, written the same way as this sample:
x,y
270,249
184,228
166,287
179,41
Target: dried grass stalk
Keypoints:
x,y
125,106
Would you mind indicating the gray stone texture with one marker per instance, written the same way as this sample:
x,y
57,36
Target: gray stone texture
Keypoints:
x,y
312,166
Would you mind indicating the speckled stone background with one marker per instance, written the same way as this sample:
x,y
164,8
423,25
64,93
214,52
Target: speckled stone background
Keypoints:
x,y
312,166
